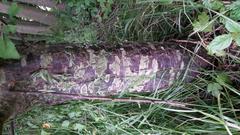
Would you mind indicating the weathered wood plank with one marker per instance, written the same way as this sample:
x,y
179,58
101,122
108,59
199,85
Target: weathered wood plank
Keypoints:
x,y
45,3
31,13
32,29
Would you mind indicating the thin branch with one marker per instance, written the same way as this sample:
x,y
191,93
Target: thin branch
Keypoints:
x,y
185,41
102,98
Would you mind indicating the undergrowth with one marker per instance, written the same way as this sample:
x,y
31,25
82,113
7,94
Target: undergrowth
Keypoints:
x,y
212,100
213,112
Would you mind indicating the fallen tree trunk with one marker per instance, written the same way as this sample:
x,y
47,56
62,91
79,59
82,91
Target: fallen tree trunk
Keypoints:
x,y
55,74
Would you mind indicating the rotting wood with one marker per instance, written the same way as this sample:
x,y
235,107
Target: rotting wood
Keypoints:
x,y
32,29
59,73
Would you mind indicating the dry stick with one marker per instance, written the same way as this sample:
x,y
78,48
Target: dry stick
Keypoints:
x,y
185,41
32,29
199,57
101,98
193,42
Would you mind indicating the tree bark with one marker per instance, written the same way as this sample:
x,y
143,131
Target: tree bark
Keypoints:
x,y
58,73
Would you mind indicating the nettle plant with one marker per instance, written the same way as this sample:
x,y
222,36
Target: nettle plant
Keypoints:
x,y
223,23
7,47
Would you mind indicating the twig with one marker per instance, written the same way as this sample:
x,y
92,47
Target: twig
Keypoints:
x,y
198,56
101,98
185,41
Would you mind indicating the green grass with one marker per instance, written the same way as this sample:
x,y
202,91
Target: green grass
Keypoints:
x,y
131,20
204,113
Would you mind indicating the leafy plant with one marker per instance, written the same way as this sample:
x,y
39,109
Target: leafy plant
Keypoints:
x,y
222,16
214,89
202,23
219,43
13,10
213,4
212,101
7,47
79,23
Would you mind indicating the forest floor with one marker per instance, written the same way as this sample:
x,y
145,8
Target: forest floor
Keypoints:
x,y
212,99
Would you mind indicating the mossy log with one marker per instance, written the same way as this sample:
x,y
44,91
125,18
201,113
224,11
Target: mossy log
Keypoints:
x,y
58,73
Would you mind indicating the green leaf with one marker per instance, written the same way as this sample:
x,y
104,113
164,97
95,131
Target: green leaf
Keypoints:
x,y
72,114
65,124
221,53
166,1
44,132
78,127
214,89
13,10
213,4
232,26
219,43
236,38
234,12
7,49
31,125
223,78
202,23
9,29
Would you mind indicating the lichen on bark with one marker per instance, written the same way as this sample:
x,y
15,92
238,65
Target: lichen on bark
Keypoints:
x,y
50,75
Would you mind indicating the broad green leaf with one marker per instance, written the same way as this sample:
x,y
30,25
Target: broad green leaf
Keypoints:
x,y
234,12
71,4
219,43
9,29
78,127
223,78
236,38
13,10
213,4
44,132
214,89
65,124
72,114
221,53
7,49
232,26
202,23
